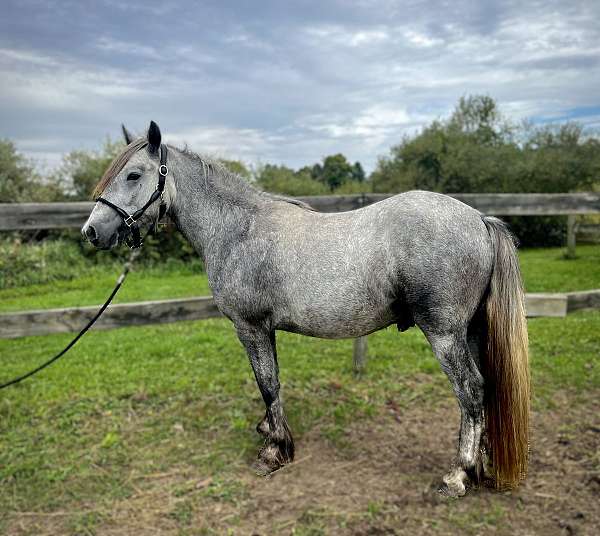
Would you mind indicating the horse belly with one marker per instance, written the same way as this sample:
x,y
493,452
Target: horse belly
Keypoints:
x,y
329,316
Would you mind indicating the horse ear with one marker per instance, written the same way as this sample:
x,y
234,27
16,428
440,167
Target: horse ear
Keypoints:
x,y
154,137
128,136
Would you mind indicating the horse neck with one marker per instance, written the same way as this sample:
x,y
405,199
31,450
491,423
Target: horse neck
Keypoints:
x,y
212,206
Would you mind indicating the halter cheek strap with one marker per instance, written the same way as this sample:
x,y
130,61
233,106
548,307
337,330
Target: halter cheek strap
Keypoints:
x,y
130,220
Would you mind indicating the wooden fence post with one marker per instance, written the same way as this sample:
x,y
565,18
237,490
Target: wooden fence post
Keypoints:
x,y
571,236
360,354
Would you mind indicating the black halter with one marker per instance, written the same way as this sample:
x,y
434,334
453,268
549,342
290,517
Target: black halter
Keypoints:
x,y
130,220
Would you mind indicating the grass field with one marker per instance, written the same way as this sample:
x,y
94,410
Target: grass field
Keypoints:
x,y
150,429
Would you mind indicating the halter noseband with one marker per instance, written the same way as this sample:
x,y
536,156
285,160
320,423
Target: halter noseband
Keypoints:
x,y
130,220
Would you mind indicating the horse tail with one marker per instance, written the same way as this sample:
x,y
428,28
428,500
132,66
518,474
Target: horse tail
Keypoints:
x,y
505,364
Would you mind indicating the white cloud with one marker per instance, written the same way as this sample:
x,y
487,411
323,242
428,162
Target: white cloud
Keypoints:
x,y
418,39
290,85
38,81
108,44
221,141
337,35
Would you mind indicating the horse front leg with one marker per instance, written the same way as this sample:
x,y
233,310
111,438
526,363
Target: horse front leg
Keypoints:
x,y
278,448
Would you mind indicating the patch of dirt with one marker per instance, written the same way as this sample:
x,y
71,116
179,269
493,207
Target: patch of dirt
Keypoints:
x,y
382,481
386,481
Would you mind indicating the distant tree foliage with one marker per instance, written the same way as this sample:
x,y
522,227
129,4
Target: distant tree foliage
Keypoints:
x,y
334,175
477,150
284,180
238,167
83,169
19,182
336,170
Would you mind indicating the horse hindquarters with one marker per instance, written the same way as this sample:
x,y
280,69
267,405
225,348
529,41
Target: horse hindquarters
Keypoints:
x,y
484,355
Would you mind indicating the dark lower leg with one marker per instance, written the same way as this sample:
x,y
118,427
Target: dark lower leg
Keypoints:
x,y
455,357
279,445
278,448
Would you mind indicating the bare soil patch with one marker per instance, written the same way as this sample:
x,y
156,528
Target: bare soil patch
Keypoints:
x,y
380,478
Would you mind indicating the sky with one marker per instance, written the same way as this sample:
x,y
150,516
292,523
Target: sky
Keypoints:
x,y
285,82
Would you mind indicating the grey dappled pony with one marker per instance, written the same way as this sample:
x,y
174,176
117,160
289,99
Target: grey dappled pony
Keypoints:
x,y
417,258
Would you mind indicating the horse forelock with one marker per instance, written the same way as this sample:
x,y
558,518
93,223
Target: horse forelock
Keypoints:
x,y
118,164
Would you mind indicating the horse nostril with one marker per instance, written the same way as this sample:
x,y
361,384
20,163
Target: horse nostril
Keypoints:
x,y
90,232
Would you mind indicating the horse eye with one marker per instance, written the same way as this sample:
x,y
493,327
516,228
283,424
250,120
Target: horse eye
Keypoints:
x,y
133,176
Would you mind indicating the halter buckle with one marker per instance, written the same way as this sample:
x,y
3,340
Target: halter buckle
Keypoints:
x,y
163,170
129,221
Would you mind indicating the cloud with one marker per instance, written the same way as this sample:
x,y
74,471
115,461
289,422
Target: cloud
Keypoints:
x,y
287,82
109,44
244,143
34,80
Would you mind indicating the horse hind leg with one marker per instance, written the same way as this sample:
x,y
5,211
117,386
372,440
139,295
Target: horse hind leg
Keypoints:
x,y
455,354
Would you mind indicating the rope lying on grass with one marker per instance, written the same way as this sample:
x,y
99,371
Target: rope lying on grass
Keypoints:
x,y
132,256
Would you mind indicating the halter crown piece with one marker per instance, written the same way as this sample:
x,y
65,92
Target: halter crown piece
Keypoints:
x,y
130,220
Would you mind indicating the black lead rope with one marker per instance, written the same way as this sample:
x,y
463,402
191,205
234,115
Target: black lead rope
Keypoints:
x,y
130,221
126,268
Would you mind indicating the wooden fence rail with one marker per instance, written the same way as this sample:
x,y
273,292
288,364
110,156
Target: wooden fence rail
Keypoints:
x,y
25,216
71,319
31,216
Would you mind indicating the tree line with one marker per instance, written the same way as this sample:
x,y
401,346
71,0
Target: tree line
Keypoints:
x,y
80,170
476,149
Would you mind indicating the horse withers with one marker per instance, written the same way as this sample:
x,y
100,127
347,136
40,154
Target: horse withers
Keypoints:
x,y
417,258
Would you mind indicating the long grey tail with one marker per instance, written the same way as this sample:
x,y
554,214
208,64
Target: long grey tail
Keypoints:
x,y
505,365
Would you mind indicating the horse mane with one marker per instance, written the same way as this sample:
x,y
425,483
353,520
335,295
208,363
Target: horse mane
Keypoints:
x,y
211,165
208,166
118,164
290,200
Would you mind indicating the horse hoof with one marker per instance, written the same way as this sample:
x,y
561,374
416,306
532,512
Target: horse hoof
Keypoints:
x,y
265,467
269,460
451,492
453,484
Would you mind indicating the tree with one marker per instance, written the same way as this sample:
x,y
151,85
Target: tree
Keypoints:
x,y
84,169
336,171
237,167
479,117
283,180
472,151
560,158
19,182
358,173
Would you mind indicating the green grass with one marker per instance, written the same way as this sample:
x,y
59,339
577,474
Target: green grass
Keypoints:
x,y
75,414
143,283
547,269
131,402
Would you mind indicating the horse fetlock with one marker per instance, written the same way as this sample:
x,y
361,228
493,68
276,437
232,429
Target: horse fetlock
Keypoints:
x,y
263,427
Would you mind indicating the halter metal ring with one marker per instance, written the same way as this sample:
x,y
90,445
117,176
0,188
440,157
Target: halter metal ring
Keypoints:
x,y
129,221
163,170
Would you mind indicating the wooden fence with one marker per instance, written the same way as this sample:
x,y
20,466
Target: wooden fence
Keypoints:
x,y
73,215
71,319
30,216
